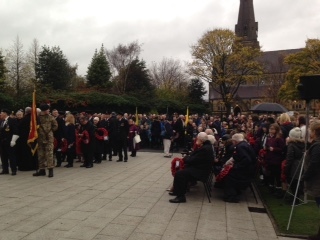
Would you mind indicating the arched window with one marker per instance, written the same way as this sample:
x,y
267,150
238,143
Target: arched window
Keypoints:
x,y
221,107
296,105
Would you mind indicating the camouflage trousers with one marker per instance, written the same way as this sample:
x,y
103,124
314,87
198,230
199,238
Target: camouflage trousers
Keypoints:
x,y
45,155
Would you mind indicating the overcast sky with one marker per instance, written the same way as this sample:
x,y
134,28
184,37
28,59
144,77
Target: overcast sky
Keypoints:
x,y
166,28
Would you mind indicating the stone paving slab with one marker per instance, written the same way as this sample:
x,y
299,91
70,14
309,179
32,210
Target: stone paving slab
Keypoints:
x,y
121,201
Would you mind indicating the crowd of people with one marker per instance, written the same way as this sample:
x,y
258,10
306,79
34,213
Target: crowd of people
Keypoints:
x,y
237,149
278,143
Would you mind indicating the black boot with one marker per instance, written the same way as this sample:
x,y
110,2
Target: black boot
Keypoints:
x,y
41,172
59,159
50,172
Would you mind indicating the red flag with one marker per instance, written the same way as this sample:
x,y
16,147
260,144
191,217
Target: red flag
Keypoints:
x,y
33,134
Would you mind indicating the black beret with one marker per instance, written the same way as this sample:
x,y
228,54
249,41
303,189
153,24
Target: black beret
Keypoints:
x,y
225,137
44,107
120,113
7,111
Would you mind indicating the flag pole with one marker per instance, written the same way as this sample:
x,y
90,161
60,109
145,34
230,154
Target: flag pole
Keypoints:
x,y
33,133
137,119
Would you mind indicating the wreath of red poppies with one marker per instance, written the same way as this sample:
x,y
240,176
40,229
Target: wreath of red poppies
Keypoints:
x,y
85,137
101,133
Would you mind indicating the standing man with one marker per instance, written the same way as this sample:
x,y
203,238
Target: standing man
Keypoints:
x,y
104,124
122,137
167,135
58,135
87,134
8,138
47,125
112,130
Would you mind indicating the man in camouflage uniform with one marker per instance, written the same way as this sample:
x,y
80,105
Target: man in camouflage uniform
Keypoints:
x,y
47,125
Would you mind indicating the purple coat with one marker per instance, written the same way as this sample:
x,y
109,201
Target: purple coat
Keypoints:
x,y
276,156
133,130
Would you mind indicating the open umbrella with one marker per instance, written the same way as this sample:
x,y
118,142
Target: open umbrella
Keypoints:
x,y
268,108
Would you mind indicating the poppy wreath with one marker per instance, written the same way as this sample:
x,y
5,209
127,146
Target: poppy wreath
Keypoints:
x,y
224,172
174,169
85,137
55,144
262,153
64,146
101,133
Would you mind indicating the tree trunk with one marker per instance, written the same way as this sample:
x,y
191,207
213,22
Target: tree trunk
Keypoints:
x,y
228,108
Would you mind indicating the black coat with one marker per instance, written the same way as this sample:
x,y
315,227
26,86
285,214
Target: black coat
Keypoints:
x,y
112,126
155,128
294,156
91,131
25,160
244,162
9,129
122,130
200,161
69,133
311,174
58,135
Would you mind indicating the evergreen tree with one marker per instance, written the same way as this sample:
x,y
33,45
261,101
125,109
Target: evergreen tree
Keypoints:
x,y
138,80
196,90
53,68
98,73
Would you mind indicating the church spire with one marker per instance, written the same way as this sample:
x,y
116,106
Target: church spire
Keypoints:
x,y
247,27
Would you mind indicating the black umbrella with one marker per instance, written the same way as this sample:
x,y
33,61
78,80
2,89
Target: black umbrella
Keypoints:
x,y
268,108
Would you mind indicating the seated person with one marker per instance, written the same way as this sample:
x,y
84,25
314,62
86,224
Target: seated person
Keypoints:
x,y
224,153
197,167
243,163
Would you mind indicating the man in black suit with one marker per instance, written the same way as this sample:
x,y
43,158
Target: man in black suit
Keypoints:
x,y
112,130
87,134
8,137
122,137
58,116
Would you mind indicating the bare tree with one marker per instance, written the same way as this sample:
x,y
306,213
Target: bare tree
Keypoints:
x,y
169,74
33,56
18,73
274,79
120,59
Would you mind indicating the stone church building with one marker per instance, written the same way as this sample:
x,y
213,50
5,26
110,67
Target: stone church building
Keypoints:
x,y
264,89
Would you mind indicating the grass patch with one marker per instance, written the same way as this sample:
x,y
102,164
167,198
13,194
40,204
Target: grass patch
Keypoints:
x,y
305,218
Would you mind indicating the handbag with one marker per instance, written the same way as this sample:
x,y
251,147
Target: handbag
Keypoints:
x,y
137,138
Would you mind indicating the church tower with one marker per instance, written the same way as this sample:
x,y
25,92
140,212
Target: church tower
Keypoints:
x,y
247,27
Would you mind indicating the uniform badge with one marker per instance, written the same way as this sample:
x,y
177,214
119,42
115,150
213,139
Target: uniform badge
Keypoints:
x,y
7,129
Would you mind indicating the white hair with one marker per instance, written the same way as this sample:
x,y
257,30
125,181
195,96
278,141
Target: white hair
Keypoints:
x,y
202,136
212,139
28,110
209,131
238,137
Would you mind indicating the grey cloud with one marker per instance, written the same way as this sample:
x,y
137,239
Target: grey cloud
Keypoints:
x,y
282,24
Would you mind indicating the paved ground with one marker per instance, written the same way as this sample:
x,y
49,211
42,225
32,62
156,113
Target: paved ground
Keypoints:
x,y
121,201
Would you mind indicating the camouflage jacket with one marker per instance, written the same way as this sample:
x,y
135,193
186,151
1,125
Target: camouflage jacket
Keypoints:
x,y
47,125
